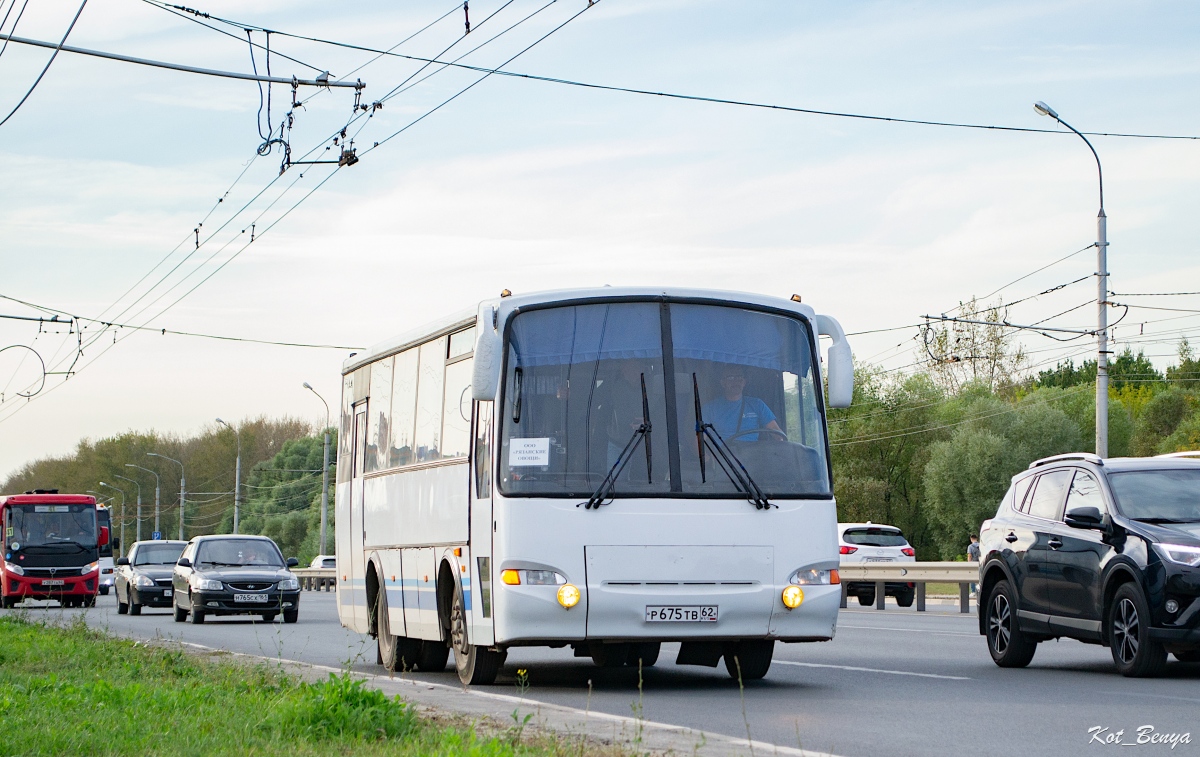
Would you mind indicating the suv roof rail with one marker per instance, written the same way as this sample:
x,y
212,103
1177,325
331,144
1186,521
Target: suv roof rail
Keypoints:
x,y
1085,456
1189,453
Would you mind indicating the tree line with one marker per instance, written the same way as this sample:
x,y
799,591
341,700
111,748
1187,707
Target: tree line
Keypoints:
x,y
931,452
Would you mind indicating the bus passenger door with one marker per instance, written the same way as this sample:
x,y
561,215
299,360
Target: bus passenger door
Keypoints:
x,y
478,593
357,572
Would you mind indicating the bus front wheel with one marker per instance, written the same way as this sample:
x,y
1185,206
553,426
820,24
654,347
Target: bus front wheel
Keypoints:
x,y
476,665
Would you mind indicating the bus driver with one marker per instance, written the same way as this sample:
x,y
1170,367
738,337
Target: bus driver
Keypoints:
x,y
734,413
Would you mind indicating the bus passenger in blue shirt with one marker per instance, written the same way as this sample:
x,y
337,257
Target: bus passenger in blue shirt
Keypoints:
x,y
733,412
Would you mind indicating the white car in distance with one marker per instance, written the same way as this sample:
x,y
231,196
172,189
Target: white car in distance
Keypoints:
x,y
874,542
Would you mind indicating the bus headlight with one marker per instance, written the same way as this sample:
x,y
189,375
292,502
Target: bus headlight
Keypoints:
x,y
815,577
90,568
568,595
12,567
792,597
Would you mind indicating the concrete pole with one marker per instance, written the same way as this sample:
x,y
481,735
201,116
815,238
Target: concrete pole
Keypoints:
x,y
139,515
182,499
157,506
1102,334
325,491
237,486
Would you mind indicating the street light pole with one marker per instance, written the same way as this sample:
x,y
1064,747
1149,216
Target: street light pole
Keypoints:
x,y
1101,294
182,490
110,486
139,508
324,471
237,474
157,499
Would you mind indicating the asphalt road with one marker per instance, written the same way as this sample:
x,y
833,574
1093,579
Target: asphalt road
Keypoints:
x,y
892,683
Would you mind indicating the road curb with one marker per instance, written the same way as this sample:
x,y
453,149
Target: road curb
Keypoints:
x,y
644,736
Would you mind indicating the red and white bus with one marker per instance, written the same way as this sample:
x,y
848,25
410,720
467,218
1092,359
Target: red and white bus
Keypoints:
x,y
52,546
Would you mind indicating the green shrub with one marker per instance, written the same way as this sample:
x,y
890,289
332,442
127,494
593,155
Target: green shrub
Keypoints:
x,y
342,706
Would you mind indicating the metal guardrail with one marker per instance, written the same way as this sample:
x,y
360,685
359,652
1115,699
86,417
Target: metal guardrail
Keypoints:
x,y
316,579
920,573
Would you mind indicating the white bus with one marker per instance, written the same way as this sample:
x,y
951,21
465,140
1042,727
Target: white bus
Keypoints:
x,y
607,469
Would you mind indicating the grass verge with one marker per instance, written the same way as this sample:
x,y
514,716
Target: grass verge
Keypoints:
x,y
73,690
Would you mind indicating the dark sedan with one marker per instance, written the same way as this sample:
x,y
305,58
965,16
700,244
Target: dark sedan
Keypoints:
x,y
234,575
143,577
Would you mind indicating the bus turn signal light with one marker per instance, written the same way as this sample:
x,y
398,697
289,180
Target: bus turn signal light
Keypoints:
x,y
568,596
511,577
792,596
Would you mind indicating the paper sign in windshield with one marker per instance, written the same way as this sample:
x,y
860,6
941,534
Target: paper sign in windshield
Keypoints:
x,y
529,452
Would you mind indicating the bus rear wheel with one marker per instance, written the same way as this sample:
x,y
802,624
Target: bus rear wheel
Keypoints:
x,y
476,665
749,659
396,653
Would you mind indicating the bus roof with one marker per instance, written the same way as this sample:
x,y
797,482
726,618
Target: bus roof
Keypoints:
x,y
506,305
43,499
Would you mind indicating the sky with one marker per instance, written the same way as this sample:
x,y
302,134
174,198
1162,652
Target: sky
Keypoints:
x,y
108,170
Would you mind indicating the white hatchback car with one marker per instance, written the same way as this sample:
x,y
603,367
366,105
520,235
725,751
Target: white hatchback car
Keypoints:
x,y
874,542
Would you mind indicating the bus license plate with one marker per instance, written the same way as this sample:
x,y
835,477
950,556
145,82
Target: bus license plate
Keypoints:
x,y
53,582
681,613
249,597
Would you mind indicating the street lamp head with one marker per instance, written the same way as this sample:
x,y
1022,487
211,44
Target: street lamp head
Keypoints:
x,y
307,386
1045,109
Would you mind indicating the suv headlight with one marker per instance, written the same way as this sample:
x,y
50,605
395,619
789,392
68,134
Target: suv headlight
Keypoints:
x,y
145,582
12,567
1180,553
91,567
289,584
814,576
206,584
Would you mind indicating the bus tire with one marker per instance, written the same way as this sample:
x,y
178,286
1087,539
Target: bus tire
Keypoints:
x,y
749,659
432,656
89,602
476,665
396,653
610,655
644,653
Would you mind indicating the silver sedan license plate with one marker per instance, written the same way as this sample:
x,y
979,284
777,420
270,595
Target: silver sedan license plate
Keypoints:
x,y
681,613
166,592
249,597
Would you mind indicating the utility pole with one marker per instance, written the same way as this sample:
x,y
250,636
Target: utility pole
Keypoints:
x,y
157,500
324,473
139,509
237,474
1102,303
182,492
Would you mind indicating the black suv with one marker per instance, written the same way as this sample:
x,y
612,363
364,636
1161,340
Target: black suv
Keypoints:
x,y
1103,551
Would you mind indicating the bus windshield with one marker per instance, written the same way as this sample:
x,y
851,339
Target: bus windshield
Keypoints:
x,y
580,380
67,528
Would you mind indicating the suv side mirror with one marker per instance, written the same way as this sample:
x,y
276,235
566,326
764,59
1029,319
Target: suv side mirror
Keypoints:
x,y
184,562
103,540
123,561
292,562
1084,517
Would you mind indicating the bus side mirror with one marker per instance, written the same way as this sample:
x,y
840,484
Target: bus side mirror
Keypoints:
x,y
489,353
103,540
839,371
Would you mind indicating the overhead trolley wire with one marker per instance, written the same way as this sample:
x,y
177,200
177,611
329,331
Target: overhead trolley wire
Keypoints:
x,y
38,80
696,98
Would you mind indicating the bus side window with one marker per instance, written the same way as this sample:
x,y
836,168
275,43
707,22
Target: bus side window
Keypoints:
x,y
483,449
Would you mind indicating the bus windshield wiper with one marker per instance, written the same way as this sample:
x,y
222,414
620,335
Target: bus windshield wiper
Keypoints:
x,y
707,436
57,543
640,434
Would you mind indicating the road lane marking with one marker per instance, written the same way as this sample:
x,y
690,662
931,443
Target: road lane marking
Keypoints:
x,y
629,722
872,670
909,630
